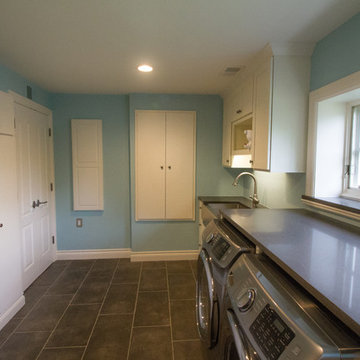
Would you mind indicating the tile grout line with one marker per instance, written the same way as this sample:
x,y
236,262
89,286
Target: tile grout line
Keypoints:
x,y
135,307
21,321
169,307
99,312
53,330
193,272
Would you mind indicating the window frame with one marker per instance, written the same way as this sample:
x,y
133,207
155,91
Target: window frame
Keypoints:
x,y
349,89
347,192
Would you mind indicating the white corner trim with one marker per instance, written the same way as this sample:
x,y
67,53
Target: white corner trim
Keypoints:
x,y
164,255
13,309
92,254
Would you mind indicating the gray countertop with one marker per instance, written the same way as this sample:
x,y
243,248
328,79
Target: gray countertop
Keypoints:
x,y
320,254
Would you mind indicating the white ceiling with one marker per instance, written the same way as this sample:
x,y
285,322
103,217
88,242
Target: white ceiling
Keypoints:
x,y
94,46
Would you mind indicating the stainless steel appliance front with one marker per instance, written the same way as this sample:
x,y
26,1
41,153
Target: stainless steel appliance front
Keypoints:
x,y
268,316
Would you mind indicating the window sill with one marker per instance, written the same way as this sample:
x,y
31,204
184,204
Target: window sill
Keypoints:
x,y
338,205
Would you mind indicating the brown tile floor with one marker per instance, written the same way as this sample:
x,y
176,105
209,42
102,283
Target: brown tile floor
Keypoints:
x,y
107,309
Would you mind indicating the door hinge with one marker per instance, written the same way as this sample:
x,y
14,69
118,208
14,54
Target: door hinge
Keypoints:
x,y
51,187
53,239
49,131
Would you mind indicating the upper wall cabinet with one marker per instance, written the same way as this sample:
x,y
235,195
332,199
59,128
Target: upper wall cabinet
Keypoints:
x,y
278,121
165,165
87,164
238,104
6,114
281,88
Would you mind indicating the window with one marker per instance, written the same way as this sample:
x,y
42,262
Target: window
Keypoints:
x,y
352,162
333,159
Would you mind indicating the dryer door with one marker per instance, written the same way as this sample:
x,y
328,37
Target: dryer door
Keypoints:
x,y
206,301
236,345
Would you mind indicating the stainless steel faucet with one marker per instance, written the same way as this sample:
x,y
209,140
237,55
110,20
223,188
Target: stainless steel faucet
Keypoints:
x,y
254,197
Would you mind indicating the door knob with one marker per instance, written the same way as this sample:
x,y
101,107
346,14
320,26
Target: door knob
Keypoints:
x,y
38,203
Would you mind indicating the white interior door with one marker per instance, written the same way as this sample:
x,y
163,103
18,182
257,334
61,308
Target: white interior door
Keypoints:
x,y
180,165
150,165
32,141
10,275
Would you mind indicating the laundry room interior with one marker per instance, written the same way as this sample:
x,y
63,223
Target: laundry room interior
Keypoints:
x,y
179,181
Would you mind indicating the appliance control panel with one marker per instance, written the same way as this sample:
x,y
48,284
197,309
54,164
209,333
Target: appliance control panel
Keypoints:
x,y
271,333
220,247
275,325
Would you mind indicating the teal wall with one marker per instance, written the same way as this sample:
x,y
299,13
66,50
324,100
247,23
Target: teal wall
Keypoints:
x,y
337,55
10,80
211,177
101,229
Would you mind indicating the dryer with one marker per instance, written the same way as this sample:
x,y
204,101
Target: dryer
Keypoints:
x,y
221,246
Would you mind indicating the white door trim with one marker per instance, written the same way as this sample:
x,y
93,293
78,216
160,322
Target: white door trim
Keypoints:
x,y
21,100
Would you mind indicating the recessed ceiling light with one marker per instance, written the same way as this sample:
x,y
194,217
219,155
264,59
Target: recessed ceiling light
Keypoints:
x,y
145,68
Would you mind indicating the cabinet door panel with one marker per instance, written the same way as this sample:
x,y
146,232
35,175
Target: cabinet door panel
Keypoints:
x,y
87,164
180,150
150,165
262,116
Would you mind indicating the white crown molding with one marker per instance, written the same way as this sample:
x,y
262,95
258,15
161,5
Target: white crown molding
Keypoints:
x,y
292,48
19,99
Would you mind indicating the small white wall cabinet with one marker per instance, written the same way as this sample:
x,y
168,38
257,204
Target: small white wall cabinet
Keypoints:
x,y
11,295
281,88
87,159
165,165
238,104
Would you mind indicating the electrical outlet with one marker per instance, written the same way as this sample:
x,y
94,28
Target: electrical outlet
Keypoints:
x,y
79,223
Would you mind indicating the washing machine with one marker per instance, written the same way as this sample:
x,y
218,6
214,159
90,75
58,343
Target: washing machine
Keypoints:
x,y
267,316
221,246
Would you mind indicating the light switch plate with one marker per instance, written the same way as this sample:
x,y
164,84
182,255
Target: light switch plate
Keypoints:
x,y
79,222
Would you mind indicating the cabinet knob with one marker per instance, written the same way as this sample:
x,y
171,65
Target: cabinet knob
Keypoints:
x,y
227,161
169,167
161,167
239,111
251,161
1,225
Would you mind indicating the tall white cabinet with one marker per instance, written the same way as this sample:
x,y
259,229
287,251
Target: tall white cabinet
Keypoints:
x,y
165,165
11,295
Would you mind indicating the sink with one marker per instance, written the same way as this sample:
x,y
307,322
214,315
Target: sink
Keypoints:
x,y
216,207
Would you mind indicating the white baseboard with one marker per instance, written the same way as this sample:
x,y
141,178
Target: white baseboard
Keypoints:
x,y
9,313
92,254
127,253
164,255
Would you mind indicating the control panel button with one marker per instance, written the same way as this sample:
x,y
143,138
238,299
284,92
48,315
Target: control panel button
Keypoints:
x,y
296,350
209,237
272,334
245,300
